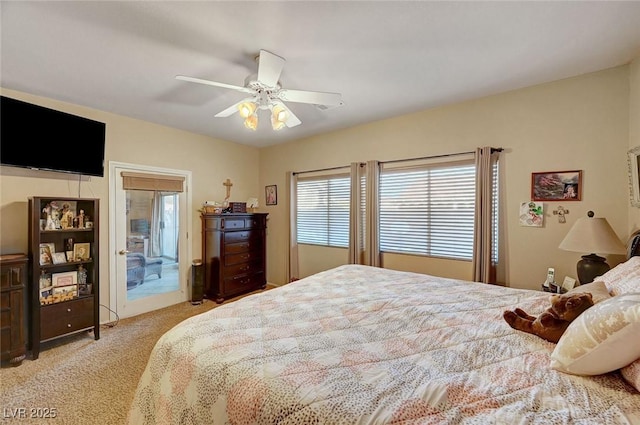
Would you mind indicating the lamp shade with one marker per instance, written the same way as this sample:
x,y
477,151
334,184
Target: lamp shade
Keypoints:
x,y
594,235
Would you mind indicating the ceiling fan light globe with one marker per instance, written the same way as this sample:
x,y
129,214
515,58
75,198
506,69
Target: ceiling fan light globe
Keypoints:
x,y
246,109
251,122
277,125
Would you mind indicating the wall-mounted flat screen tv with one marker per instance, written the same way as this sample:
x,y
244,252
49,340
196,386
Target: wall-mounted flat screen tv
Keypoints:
x,y
36,137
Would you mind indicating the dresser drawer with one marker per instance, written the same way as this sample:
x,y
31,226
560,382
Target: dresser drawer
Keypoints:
x,y
241,258
237,248
232,223
238,284
243,268
233,237
65,317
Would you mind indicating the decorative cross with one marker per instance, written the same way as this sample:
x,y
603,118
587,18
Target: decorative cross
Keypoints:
x,y
228,184
560,212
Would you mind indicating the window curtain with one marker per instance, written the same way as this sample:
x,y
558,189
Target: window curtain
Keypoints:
x,y
155,248
356,215
484,266
293,271
372,234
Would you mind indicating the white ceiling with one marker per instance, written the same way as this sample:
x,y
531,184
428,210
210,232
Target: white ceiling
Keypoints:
x,y
386,58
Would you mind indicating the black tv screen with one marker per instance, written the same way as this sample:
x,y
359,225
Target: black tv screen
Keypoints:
x,y
40,138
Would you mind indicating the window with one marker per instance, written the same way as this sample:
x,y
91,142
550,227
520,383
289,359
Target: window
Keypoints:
x,y
428,210
323,211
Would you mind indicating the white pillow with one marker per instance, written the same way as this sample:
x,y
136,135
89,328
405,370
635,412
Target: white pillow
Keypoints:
x,y
598,291
623,278
602,339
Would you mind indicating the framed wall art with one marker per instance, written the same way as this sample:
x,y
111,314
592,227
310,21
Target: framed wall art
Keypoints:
x,y
271,194
556,186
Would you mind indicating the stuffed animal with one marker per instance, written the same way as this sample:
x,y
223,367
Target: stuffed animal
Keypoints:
x,y
552,323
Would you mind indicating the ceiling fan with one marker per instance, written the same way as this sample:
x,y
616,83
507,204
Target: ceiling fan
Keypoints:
x,y
265,92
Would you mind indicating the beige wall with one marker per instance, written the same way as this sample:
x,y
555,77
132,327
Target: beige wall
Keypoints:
x,y
634,129
578,123
130,141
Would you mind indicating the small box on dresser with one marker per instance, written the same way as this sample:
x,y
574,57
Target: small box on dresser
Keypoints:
x,y
234,254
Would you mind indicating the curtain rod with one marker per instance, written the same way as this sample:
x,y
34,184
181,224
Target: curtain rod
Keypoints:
x,y
324,169
438,156
396,160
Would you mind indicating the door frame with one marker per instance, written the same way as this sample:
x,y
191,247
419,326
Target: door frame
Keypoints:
x,y
115,182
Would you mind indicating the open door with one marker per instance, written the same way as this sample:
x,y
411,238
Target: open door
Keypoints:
x,y
150,249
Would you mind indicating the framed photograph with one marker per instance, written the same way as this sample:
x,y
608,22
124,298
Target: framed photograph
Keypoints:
x,y
271,194
634,176
81,251
64,278
46,251
59,257
45,281
556,186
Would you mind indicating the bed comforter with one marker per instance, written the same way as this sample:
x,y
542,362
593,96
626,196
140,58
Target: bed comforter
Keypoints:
x,y
363,345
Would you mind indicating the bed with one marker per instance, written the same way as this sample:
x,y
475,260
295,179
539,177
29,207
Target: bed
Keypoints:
x,y
364,345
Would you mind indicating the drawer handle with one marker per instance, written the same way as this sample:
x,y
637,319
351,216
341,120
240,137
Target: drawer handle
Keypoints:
x,y
68,325
69,310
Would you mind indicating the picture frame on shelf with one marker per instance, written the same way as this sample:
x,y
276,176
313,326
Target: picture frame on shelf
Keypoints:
x,y
64,278
556,186
45,281
81,251
46,254
59,257
271,194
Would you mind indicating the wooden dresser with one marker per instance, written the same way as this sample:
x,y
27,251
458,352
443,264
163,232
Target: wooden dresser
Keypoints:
x,y
13,278
234,254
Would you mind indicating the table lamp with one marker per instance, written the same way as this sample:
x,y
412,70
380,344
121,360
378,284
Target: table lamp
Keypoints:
x,y
590,234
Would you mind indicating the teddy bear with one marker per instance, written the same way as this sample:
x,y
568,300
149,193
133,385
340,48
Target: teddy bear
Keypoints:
x,y
552,323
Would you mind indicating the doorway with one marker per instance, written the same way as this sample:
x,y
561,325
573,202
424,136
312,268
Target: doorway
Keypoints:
x,y
150,223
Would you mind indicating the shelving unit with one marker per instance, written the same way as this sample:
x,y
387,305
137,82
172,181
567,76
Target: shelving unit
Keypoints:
x,y
59,304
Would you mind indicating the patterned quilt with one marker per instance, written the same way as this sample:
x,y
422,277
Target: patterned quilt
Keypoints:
x,y
363,345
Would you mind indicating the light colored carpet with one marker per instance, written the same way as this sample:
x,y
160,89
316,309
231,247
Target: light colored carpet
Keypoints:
x,y
88,381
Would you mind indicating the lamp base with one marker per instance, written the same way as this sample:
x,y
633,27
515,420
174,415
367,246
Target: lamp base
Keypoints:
x,y
590,267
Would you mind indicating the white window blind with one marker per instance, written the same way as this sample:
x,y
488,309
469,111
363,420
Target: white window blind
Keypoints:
x,y
323,211
428,210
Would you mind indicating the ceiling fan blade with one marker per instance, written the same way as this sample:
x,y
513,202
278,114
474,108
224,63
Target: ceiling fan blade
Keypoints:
x,y
232,109
314,97
269,68
214,83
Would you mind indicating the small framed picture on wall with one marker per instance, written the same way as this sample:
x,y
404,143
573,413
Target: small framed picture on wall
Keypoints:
x,y
271,195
